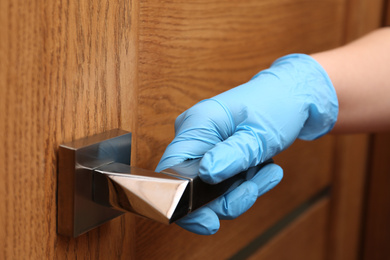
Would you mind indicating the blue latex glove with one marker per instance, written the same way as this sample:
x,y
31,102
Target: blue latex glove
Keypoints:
x,y
248,125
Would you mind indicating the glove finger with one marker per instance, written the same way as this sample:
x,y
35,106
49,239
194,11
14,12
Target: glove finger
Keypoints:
x,y
203,221
236,154
182,148
197,131
267,178
236,202
239,200
207,114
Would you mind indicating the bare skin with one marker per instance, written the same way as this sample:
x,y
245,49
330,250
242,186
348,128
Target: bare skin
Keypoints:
x,y
360,72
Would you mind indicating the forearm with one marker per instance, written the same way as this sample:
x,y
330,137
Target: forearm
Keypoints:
x,y
360,72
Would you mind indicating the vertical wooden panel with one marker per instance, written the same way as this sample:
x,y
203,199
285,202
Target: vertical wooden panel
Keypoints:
x,y
348,196
350,174
66,72
377,230
362,16
387,13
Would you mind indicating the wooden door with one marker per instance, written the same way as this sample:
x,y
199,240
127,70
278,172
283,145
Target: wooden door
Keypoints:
x,y
66,72
70,69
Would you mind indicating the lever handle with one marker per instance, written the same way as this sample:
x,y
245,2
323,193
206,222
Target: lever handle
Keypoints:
x,y
153,195
96,183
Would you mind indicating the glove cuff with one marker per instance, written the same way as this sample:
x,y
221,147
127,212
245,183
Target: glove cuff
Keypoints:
x,y
316,88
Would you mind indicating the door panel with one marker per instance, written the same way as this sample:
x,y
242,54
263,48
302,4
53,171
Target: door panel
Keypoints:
x,y
64,75
303,239
377,227
70,69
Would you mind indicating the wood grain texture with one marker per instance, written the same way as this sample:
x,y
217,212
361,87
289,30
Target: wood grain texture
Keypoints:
x,y
65,74
303,239
348,196
387,13
69,69
362,17
377,228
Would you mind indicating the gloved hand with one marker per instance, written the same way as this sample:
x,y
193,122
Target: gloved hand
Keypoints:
x,y
248,125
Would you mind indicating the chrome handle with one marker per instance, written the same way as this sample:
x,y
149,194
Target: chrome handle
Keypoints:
x,y
96,183
153,195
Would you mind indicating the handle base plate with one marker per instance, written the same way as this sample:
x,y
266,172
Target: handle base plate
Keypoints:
x,y
77,211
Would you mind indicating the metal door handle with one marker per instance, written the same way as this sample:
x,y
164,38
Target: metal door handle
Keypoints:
x,y
96,183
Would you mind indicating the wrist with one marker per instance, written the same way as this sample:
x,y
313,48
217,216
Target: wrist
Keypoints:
x,y
315,88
